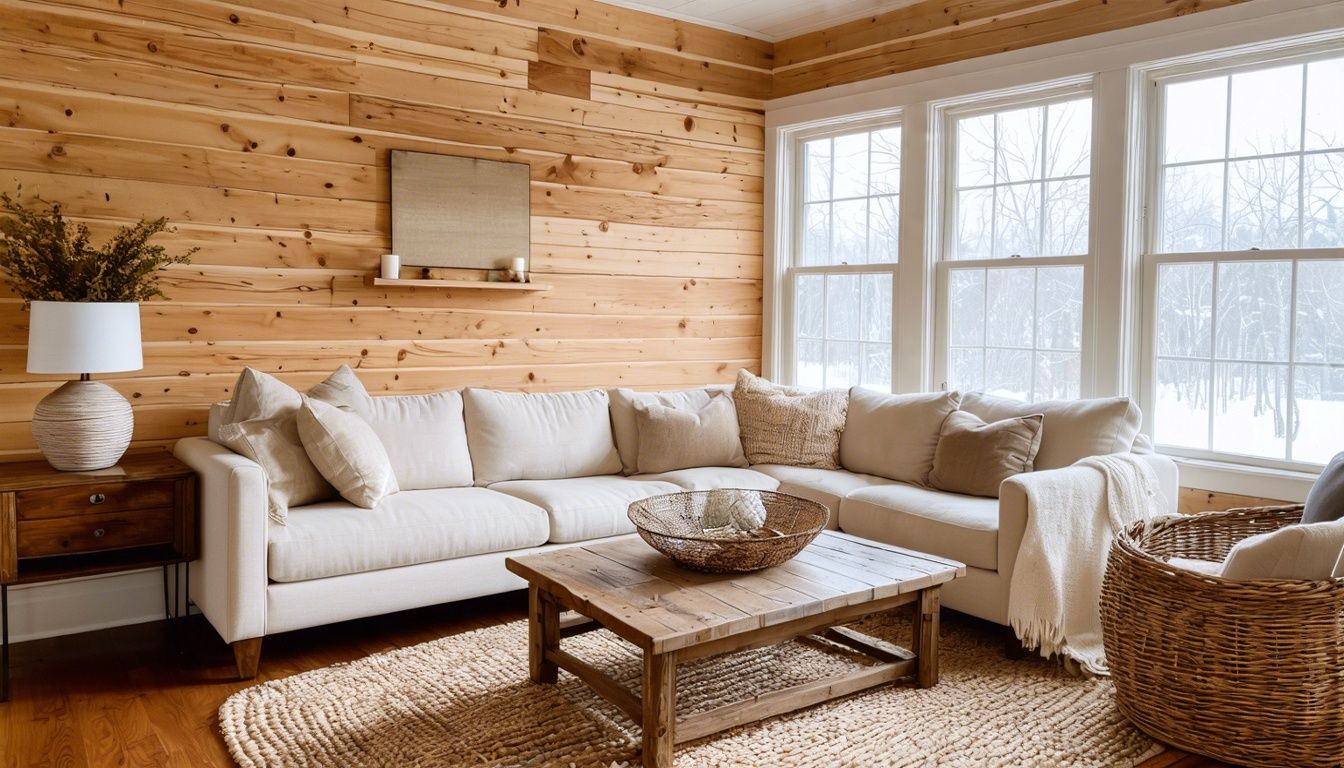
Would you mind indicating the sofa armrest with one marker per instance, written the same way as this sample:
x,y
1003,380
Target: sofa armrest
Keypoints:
x,y
1013,500
229,580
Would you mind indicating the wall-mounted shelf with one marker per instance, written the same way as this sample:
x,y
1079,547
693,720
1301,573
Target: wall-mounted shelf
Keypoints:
x,y
429,282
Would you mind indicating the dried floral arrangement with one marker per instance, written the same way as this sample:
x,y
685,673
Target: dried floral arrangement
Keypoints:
x,y
47,258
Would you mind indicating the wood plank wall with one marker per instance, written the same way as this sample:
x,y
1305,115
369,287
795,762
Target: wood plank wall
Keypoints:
x,y
261,128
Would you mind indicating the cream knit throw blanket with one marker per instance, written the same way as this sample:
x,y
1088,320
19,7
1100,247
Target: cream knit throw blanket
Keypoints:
x,y
1055,594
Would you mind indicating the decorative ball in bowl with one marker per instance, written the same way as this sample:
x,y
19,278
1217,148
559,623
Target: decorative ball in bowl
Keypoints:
x,y
728,530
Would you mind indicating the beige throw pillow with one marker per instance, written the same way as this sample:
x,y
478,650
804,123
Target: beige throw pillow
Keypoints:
x,y
347,452
680,438
626,431
974,458
784,425
274,443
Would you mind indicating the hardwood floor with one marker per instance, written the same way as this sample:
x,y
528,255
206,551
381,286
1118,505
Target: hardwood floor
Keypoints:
x,y
146,695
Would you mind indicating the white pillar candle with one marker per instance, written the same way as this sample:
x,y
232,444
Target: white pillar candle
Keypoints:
x,y
520,269
391,266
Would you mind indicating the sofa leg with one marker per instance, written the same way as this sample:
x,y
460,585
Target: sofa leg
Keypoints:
x,y
247,657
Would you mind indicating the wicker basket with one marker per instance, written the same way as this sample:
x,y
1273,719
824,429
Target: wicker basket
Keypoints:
x,y
670,523
1248,672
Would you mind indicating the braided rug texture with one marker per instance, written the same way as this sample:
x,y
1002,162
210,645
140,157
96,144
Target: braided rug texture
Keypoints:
x,y
465,700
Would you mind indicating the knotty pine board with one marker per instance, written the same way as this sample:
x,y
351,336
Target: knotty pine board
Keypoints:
x,y
262,129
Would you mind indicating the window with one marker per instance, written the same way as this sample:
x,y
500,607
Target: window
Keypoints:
x,y
1247,279
844,258
1018,193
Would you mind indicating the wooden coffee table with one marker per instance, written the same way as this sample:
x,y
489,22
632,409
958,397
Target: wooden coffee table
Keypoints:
x,y
675,615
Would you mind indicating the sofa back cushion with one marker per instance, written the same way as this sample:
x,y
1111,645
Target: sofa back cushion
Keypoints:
x,y
624,427
541,436
1072,429
425,436
786,425
894,436
682,438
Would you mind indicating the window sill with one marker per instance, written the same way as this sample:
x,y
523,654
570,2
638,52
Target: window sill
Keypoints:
x,y
1243,480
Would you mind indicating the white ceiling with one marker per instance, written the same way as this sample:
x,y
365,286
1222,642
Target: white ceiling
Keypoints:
x,y
773,20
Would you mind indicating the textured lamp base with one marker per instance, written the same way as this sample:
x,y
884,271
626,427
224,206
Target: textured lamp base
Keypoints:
x,y
82,426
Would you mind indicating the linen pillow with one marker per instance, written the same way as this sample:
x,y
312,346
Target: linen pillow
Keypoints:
x,y
527,436
347,452
894,436
1325,500
784,425
974,458
1075,429
680,438
624,428
425,436
260,423
1311,552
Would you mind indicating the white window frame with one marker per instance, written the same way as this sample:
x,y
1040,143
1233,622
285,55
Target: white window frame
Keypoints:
x,y
946,114
796,162
1152,106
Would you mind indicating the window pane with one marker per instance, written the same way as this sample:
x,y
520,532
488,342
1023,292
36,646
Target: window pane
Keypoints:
x,y
811,366
884,226
1320,412
966,304
842,307
876,308
1017,220
1018,151
975,151
851,233
1192,208
1325,107
1253,307
1266,111
1059,308
816,234
1262,205
1068,147
1320,314
842,364
1250,409
1008,373
1184,309
810,305
1324,225
851,166
817,170
1011,295
1181,415
1058,375
886,162
966,369
975,224
1196,120
877,367
1066,217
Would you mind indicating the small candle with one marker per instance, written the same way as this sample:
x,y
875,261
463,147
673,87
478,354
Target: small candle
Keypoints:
x,y
391,266
520,269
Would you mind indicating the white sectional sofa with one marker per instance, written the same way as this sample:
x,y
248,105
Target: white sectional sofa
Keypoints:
x,y
547,471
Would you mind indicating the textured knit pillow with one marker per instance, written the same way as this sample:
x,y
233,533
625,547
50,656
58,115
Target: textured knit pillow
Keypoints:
x,y
680,438
347,452
975,458
783,425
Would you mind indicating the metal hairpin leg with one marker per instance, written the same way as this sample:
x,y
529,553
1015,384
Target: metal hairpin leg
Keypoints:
x,y
167,614
4,642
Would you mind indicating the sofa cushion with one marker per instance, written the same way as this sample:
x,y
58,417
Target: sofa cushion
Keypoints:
x,y
346,451
681,438
625,429
583,508
894,436
424,435
786,425
539,436
1073,429
824,486
335,537
710,478
964,528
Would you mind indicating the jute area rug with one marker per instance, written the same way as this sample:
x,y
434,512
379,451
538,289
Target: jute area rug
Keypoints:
x,y
466,700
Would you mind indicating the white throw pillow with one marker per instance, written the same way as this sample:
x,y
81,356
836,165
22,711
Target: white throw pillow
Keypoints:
x,y
1073,429
624,428
542,436
425,436
681,438
1311,552
347,452
894,436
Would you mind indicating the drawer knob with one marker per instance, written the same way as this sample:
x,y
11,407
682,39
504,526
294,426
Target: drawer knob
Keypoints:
x,y
98,533
97,498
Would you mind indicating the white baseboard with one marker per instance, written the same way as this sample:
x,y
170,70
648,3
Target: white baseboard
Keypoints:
x,y
85,604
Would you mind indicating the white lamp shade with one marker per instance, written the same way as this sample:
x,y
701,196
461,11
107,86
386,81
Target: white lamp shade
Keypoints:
x,y
84,337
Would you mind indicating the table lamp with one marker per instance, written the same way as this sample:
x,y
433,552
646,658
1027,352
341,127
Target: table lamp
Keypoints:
x,y
84,425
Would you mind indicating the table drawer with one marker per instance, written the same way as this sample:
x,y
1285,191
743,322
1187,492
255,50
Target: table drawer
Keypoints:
x,y
93,499
94,532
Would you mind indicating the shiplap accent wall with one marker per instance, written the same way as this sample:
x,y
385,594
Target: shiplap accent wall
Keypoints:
x,y
261,129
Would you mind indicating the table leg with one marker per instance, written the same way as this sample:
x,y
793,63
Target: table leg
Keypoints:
x,y
927,613
660,708
543,634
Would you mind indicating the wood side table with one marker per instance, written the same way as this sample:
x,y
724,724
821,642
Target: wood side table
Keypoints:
x,y
60,525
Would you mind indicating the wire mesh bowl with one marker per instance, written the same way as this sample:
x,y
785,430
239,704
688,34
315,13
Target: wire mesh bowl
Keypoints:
x,y
674,524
